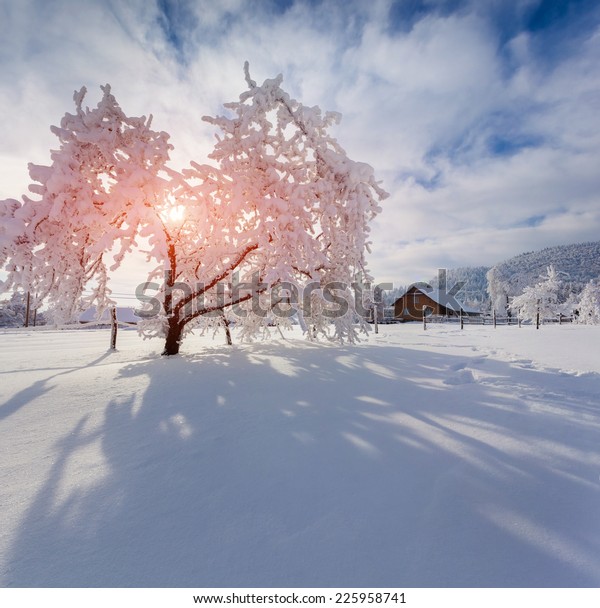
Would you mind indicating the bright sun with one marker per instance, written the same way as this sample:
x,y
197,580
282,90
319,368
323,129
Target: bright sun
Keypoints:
x,y
176,213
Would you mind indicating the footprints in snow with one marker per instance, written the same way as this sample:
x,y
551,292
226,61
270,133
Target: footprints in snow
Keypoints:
x,y
462,376
523,363
462,372
465,372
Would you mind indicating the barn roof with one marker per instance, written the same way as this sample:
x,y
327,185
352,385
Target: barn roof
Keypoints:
x,y
441,297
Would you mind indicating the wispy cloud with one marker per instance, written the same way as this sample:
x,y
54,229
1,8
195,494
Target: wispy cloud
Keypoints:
x,y
480,117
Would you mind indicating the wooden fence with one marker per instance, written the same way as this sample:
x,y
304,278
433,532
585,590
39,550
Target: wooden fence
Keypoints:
x,y
493,320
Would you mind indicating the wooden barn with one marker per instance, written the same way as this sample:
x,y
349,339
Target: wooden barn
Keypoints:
x,y
419,301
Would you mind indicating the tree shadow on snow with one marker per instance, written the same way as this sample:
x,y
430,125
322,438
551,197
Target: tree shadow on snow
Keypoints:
x,y
39,387
299,465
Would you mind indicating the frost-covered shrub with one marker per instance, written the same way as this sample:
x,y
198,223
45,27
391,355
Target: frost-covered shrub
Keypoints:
x,y
541,298
588,308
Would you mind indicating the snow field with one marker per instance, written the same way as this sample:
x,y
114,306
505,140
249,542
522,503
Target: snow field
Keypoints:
x,y
436,458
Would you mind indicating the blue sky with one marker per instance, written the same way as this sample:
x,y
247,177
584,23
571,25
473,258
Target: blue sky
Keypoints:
x,y
481,117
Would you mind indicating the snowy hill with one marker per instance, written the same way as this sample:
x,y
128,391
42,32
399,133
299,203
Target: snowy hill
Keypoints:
x,y
391,295
474,291
576,264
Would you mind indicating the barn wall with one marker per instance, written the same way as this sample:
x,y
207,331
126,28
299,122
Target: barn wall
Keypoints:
x,y
413,303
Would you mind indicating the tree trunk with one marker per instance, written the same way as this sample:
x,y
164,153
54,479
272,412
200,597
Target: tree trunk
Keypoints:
x,y
173,341
27,310
227,331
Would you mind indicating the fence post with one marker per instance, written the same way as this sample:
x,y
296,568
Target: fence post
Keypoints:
x,y
494,317
376,327
424,319
537,316
27,307
113,328
461,319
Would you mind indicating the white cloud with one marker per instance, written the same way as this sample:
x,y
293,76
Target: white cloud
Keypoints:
x,y
424,105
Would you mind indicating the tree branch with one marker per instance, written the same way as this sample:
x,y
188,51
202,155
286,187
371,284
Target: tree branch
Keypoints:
x,y
232,266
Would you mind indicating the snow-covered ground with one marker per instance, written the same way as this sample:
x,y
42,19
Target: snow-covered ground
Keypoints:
x,y
436,458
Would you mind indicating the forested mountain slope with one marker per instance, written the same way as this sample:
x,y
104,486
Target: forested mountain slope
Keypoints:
x,y
576,264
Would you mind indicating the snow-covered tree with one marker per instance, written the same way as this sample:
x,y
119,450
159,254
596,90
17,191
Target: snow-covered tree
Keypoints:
x,y
588,309
540,298
499,291
97,194
12,311
282,210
